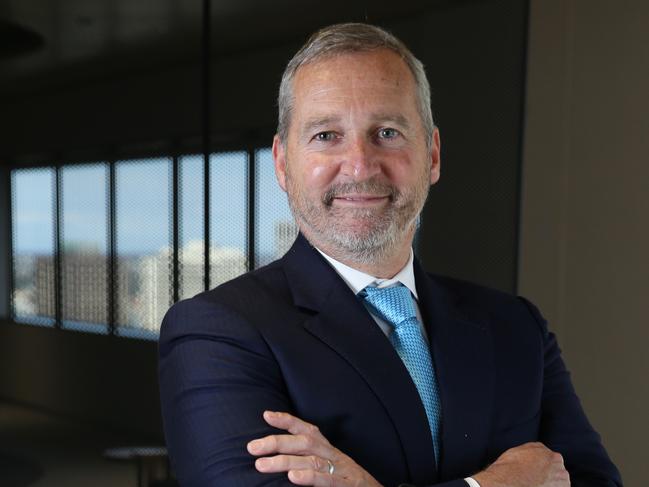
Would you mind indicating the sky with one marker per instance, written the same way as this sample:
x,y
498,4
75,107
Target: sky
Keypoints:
x,y
143,204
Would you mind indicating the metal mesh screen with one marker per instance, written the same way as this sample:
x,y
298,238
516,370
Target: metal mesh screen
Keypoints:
x,y
228,229
191,211
84,247
144,254
140,212
275,229
33,217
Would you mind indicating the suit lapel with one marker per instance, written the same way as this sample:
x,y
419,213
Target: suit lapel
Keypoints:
x,y
463,355
343,323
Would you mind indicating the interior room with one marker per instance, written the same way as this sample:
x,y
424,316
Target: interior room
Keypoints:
x,y
136,171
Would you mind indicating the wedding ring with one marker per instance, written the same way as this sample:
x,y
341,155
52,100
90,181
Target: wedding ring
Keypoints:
x,y
332,469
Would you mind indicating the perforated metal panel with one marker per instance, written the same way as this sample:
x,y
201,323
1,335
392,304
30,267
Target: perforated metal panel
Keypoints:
x,y
275,229
33,203
228,216
144,254
84,247
115,268
191,210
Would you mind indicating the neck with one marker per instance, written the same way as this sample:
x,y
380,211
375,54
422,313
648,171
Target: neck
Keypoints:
x,y
388,266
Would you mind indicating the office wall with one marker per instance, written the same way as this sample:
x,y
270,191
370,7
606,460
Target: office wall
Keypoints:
x,y
475,59
98,114
585,207
108,381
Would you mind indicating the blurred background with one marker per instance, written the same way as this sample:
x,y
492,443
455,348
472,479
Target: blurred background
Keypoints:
x,y
135,171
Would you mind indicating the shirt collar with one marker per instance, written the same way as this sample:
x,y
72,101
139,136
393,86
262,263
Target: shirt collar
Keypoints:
x,y
358,280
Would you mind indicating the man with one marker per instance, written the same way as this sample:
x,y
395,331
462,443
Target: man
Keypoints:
x,y
344,363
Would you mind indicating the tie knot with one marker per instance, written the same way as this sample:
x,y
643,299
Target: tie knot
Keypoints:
x,y
392,304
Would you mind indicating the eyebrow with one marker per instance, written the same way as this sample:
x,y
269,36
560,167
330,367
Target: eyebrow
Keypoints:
x,y
391,117
318,122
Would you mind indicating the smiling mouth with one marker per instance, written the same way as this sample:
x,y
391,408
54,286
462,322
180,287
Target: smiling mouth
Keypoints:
x,y
366,193
361,199
356,197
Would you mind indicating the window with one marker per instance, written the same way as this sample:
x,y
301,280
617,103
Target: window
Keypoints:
x,y
191,251
228,216
274,226
143,233
84,247
33,209
107,247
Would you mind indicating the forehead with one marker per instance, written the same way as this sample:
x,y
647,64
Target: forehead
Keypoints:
x,y
360,75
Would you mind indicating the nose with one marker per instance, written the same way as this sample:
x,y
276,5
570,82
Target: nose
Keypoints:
x,y
359,160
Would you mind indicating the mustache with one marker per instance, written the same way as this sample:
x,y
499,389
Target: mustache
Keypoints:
x,y
369,187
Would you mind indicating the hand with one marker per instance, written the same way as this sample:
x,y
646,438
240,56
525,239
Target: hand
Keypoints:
x,y
528,465
306,455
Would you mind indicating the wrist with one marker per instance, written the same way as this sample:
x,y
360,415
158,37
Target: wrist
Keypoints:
x,y
485,479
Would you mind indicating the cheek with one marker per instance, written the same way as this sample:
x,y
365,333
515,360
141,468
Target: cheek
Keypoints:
x,y
319,173
399,170
322,173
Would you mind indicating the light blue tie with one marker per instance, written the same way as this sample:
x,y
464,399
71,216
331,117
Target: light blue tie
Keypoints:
x,y
395,305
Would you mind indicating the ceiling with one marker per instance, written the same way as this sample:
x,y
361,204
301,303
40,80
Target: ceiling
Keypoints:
x,y
54,36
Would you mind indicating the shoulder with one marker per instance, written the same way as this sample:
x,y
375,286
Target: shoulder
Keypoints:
x,y
250,291
232,305
483,303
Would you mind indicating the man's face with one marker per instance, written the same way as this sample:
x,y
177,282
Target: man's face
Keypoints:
x,y
355,164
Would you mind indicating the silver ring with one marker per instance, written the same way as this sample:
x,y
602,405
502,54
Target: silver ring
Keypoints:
x,y
332,469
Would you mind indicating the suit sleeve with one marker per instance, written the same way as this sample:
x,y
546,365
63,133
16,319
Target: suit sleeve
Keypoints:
x,y
217,376
564,426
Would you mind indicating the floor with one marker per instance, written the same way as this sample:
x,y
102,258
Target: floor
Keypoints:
x,y
42,450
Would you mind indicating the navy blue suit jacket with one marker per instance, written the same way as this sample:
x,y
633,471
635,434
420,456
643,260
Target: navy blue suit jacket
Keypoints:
x,y
293,337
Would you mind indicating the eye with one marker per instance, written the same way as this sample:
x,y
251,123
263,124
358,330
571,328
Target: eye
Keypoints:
x,y
324,136
387,133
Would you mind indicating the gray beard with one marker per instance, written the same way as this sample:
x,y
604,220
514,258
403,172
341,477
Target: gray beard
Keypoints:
x,y
371,249
381,234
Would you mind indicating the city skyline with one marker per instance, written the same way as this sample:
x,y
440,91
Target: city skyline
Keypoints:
x,y
143,284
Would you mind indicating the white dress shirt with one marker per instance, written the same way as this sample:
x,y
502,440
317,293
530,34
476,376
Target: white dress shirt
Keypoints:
x,y
358,280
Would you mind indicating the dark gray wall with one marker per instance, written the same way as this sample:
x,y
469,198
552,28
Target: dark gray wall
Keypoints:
x,y
475,59
111,381
474,55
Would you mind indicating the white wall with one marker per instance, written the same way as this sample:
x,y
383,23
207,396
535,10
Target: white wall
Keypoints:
x,y
584,253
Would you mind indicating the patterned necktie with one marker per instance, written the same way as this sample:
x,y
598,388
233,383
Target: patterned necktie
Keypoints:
x,y
395,305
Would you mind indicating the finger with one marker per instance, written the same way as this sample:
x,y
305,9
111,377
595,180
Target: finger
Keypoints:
x,y
291,445
563,476
557,458
284,463
318,479
290,423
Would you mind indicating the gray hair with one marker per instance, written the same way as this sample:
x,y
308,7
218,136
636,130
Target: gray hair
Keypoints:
x,y
350,38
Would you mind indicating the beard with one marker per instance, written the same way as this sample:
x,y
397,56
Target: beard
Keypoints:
x,y
365,235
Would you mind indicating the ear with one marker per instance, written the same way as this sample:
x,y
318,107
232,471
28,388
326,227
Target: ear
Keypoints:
x,y
279,157
435,157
